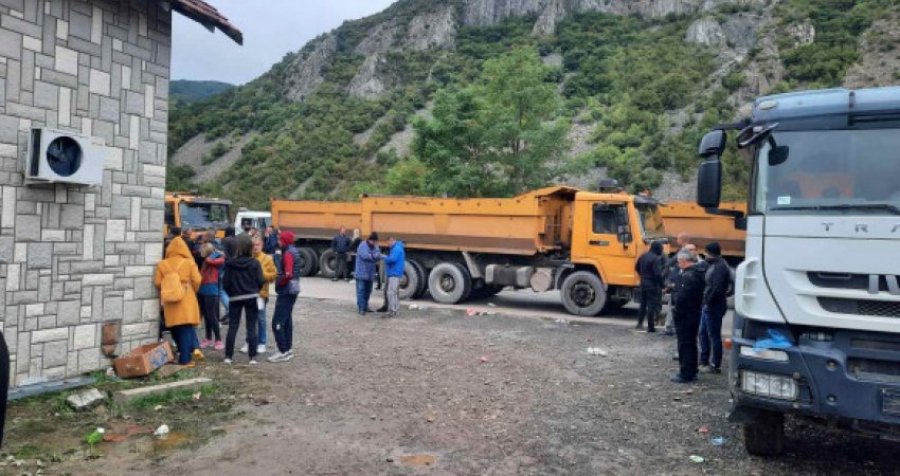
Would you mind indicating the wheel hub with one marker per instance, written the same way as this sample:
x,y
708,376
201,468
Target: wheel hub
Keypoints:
x,y
583,294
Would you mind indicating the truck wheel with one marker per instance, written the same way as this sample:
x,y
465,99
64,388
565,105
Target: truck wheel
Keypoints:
x,y
764,436
423,279
449,283
410,282
328,263
308,262
583,294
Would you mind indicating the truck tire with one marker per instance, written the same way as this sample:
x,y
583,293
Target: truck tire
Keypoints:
x,y
449,283
764,436
410,282
309,262
328,263
423,279
583,294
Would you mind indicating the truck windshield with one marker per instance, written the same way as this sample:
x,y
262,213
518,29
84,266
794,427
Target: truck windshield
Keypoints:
x,y
828,172
203,215
651,220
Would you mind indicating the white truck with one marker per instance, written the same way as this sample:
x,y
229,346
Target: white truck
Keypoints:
x,y
251,219
817,300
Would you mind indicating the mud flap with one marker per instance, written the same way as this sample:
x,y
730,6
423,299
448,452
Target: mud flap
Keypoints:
x,y
742,414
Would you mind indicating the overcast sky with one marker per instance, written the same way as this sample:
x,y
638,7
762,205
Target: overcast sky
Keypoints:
x,y
272,28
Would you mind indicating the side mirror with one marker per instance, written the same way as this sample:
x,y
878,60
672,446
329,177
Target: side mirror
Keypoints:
x,y
778,155
625,234
709,183
713,144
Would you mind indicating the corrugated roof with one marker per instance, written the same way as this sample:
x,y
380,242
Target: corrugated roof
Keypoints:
x,y
208,16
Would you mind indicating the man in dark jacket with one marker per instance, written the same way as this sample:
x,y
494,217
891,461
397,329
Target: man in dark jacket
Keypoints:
x,y
650,266
229,243
270,241
718,278
688,303
341,246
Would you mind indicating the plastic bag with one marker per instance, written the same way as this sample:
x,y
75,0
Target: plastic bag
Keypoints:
x,y
775,340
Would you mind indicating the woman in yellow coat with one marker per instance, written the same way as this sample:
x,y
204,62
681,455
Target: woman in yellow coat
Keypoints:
x,y
182,316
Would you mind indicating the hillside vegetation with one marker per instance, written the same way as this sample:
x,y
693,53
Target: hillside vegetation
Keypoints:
x,y
499,99
183,91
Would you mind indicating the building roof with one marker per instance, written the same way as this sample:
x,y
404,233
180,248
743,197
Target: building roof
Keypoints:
x,y
208,16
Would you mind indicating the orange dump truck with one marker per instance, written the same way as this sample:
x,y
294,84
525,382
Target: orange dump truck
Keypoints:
x,y
584,244
199,214
704,228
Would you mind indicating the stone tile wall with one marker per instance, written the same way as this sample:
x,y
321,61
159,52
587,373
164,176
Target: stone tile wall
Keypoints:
x,y
74,257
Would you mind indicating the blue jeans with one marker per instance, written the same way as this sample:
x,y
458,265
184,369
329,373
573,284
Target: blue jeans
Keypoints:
x,y
186,340
283,322
711,336
223,298
363,293
261,332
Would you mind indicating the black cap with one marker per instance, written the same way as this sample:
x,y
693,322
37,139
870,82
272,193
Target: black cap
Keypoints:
x,y
373,236
714,249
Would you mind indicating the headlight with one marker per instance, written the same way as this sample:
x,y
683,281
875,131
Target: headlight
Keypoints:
x,y
764,354
769,385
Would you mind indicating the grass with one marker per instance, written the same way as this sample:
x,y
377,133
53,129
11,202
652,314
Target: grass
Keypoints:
x,y
171,397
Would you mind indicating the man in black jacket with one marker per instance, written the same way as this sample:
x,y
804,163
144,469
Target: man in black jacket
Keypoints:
x,y
341,245
688,304
651,268
715,296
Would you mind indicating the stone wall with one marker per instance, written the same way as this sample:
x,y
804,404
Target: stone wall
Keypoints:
x,y
74,257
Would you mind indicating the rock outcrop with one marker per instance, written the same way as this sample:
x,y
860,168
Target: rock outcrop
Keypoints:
x,y
305,73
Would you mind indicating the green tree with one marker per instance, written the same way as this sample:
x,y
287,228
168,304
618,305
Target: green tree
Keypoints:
x,y
497,137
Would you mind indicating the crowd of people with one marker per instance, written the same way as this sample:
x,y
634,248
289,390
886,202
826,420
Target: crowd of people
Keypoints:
x,y
201,274
698,292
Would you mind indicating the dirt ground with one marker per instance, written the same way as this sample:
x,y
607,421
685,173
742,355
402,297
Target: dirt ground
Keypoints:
x,y
438,392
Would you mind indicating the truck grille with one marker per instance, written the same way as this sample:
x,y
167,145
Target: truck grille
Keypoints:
x,y
847,280
861,307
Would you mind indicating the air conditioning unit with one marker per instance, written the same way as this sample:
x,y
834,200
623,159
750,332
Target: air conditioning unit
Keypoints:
x,y
56,156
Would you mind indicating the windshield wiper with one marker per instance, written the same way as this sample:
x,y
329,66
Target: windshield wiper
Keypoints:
x,y
846,207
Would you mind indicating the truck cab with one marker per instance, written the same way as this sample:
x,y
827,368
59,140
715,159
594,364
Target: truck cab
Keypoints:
x,y
817,300
609,232
200,214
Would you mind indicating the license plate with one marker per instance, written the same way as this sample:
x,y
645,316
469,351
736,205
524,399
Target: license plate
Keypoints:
x,y
890,403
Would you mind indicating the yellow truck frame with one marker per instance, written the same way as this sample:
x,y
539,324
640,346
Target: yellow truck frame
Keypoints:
x,y
584,244
199,214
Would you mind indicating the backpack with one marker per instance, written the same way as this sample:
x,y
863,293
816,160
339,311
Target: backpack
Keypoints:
x,y
172,290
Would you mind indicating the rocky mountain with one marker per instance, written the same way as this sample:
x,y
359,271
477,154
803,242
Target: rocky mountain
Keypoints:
x,y
641,79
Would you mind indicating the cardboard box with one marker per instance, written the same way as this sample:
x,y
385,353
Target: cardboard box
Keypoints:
x,y
142,361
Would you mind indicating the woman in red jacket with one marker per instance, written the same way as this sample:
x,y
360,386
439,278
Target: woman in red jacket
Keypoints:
x,y
213,260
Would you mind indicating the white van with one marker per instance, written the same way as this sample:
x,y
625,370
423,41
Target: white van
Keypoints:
x,y
250,219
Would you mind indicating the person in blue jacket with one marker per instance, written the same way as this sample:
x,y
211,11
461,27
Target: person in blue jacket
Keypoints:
x,y
394,262
367,257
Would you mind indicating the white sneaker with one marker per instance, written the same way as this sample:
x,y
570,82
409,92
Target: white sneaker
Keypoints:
x,y
228,361
276,357
261,349
253,362
244,349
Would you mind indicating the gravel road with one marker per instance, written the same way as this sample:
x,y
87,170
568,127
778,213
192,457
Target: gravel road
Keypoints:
x,y
439,392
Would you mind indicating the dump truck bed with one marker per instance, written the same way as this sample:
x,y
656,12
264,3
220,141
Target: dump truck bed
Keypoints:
x,y
526,225
704,228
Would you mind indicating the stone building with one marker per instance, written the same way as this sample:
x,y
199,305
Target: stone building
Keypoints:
x,y
77,259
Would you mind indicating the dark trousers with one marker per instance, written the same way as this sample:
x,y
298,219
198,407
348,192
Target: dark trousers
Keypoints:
x,y
711,335
363,293
234,321
4,382
687,325
341,271
651,299
209,307
283,322
186,340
